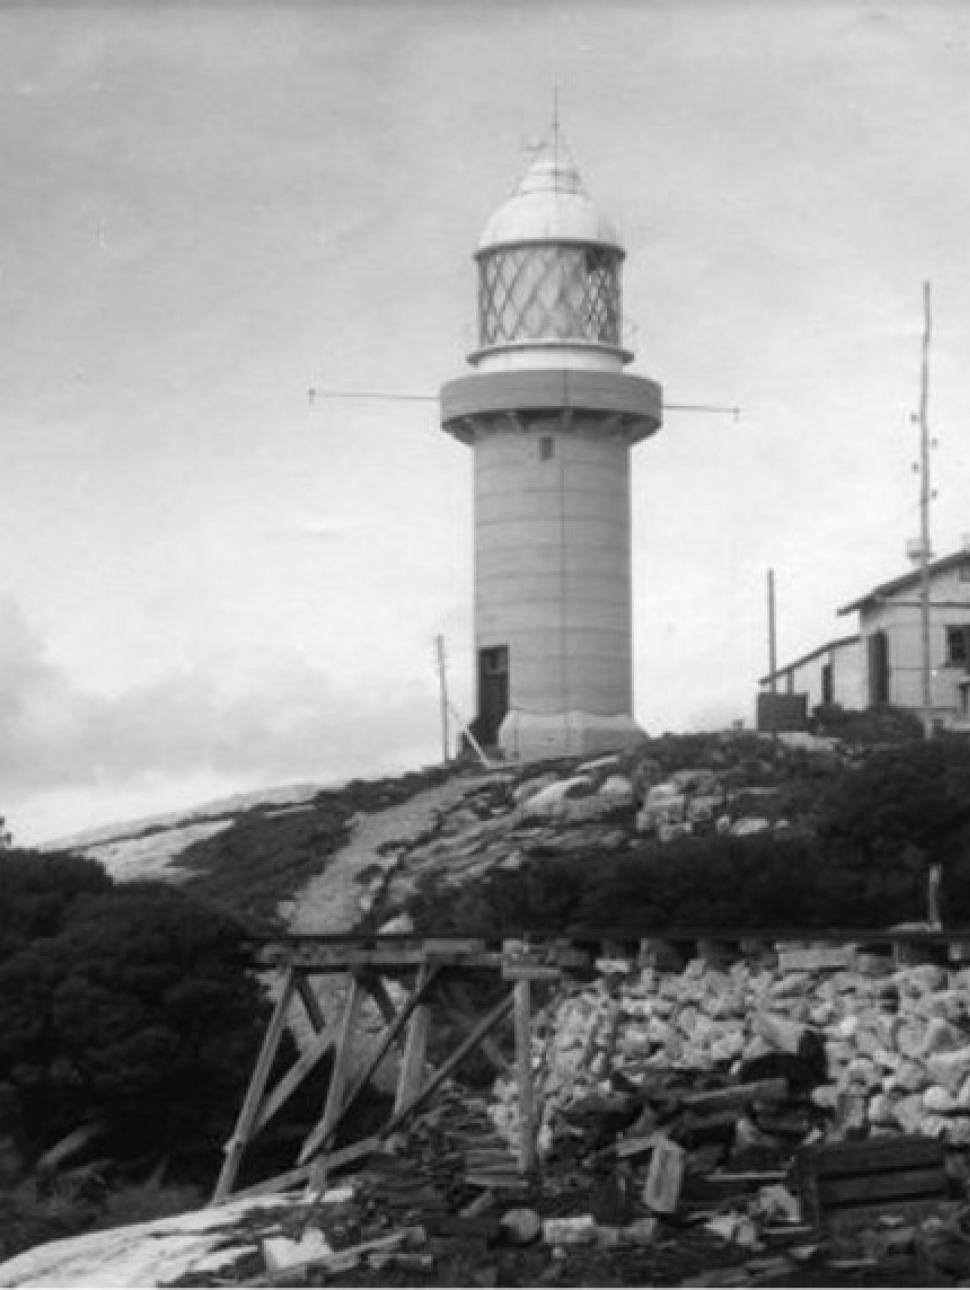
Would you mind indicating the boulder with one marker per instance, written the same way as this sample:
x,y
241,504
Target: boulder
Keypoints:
x,y
548,802
749,825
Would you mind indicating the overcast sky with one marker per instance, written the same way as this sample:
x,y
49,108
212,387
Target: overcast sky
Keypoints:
x,y
209,583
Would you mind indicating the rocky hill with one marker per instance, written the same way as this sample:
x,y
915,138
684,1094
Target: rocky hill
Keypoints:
x,y
679,1075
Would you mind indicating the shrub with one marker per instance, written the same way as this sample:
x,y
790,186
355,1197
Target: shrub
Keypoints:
x,y
137,1011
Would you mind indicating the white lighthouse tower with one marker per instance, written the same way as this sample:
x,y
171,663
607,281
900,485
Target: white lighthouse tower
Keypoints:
x,y
550,416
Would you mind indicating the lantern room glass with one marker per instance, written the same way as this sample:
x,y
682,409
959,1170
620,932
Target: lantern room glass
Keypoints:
x,y
549,291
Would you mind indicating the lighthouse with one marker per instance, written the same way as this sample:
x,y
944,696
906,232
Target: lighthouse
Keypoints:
x,y
551,416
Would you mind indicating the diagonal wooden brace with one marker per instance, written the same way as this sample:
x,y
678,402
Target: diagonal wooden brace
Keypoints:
x,y
243,1131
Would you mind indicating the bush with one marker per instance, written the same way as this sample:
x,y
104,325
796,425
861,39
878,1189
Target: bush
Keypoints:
x,y
130,1006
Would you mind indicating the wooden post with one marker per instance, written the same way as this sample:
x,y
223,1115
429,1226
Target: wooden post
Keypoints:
x,y
443,691
387,1038
338,1077
264,1062
523,1063
416,1044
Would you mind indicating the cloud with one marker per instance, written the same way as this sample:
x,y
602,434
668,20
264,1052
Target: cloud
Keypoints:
x,y
268,724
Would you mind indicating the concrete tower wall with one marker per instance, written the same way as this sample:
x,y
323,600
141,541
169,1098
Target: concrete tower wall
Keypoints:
x,y
552,563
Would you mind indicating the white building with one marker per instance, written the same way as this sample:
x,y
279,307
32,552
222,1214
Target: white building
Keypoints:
x,y
882,663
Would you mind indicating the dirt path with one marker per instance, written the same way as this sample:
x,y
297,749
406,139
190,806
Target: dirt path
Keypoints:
x,y
330,903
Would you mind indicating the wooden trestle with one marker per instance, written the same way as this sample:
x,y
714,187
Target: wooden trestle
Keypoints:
x,y
435,972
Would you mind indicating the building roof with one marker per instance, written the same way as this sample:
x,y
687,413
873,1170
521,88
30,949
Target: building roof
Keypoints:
x,y
910,579
839,643
550,204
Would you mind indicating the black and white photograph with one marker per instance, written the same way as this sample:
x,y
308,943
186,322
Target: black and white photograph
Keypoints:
x,y
484,643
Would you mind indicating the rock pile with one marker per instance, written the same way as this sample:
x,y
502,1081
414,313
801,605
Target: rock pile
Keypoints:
x,y
860,1035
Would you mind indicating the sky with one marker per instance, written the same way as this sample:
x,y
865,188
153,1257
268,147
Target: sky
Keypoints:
x,y
211,583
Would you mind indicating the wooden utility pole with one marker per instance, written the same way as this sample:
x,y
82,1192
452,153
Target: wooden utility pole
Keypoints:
x,y
443,689
772,645
924,516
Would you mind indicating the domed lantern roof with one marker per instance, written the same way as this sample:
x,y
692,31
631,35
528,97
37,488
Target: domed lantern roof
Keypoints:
x,y
550,204
549,267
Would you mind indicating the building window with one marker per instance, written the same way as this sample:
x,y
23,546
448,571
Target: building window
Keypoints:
x,y
965,571
547,447
958,646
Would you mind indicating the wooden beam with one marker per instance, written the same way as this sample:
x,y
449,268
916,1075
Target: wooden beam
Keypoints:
x,y
294,1077
311,1003
455,998
415,1052
422,986
296,1177
377,990
489,1022
523,1063
338,1077
242,1133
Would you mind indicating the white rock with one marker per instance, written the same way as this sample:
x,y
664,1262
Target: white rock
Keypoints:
x,y
920,979
882,1110
950,1069
910,1113
909,1077
617,790
778,1032
749,825
825,1096
569,1231
728,1047
942,1036
550,800
939,1101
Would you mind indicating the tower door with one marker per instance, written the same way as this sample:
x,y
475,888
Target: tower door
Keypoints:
x,y
493,692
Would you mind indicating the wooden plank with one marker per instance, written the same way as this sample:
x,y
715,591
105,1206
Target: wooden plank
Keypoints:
x,y
873,1155
294,1077
488,1023
242,1133
737,1095
296,1177
541,973
459,1006
661,1191
901,1184
338,1077
425,981
415,1052
344,1260
311,1003
377,990
528,1158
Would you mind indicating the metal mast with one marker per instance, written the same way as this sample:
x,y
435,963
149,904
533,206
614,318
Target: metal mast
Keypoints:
x,y
924,515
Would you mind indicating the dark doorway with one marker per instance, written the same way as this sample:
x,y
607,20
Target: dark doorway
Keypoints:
x,y
878,649
493,692
828,689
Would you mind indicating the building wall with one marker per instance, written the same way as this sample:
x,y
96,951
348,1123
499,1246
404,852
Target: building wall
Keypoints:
x,y
552,562
899,617
848,676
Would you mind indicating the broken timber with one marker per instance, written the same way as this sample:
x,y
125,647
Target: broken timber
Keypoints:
x,y
434,971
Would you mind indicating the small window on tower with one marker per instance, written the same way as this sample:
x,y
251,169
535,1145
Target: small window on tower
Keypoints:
x,y
547,447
